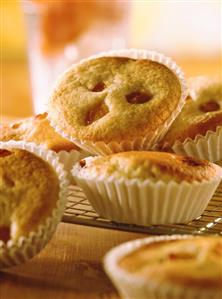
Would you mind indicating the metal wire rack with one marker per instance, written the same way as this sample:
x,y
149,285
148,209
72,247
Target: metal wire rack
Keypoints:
x,y
79,211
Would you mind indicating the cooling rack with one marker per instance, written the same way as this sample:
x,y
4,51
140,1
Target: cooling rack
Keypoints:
x,y
79,211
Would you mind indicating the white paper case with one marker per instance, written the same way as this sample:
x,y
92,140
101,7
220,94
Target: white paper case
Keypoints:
x,y
146,203
68,159
208,147
133,287
16,252
144,143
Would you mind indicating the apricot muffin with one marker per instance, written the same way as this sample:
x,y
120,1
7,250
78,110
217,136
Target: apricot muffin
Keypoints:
x,y
147,187
201,116
36,129
105,102
167,267
30,189
32,199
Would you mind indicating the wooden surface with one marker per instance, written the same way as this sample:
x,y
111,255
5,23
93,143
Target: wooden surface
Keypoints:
x,y
70,266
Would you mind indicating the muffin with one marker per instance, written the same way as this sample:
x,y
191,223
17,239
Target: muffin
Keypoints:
x,y
197,131
37,129
173,267
147,187
109,103
32,199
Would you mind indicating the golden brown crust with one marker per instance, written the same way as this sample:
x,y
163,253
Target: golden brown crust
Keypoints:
x,y
29,188
149,165
36,129
198,116
114,99
195,262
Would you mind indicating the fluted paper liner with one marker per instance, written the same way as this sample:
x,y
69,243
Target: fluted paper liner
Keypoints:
x,y
68,159
208,147
147,202
145,142
17,252
134,287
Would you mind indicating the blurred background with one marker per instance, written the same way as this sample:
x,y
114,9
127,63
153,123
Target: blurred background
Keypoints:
x,y
40,38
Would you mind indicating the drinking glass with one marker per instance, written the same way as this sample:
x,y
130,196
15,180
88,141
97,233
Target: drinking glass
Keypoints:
x,y
60,33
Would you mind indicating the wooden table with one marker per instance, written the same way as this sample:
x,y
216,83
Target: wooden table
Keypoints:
x,y
70,266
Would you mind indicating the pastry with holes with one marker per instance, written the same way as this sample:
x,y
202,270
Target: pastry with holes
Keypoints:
x,y
171,267
32,199
144,188
38,130
110,104
197,131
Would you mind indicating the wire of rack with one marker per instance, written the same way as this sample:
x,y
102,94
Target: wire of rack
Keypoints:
x,y
79,211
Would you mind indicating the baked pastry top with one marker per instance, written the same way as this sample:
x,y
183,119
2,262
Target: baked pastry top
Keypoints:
x,y
36,129
154,166
200,114
193,262
29,190
114,99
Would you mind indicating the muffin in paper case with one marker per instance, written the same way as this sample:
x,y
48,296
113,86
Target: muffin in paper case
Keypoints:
x,y
14,252
132,286
208,147
138,142
197,131
38,130
146,201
